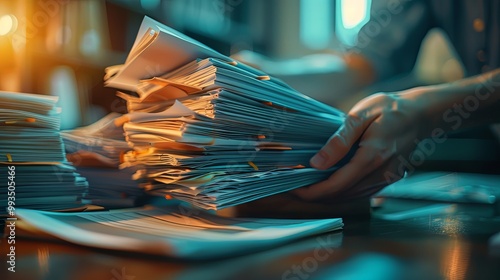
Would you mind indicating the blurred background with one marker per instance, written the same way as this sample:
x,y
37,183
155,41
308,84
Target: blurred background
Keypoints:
x,y
61,47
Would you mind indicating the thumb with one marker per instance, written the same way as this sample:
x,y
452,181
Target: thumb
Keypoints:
x,y
340,143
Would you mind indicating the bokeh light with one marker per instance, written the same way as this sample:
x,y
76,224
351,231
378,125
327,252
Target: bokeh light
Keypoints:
x,y
8,24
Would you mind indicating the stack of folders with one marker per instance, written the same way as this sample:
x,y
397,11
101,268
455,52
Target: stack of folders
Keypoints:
x,y
213,131
31,146
95,150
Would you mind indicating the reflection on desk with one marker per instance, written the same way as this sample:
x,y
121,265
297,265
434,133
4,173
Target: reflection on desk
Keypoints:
x,y
430,246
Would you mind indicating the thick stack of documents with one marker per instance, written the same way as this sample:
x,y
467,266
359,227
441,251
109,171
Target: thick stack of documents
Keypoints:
x,y
191,234
212,131
31,148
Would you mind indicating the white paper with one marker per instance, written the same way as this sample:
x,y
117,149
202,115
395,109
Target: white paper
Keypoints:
x,y
194,235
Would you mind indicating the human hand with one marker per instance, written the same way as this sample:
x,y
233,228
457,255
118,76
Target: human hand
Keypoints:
x,y
387,127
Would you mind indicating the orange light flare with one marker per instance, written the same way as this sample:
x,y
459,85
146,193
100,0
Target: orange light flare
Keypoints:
x,y
8,25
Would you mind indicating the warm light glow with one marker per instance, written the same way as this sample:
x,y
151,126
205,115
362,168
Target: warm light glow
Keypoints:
x,y
350,17
353,12
8,24
43,259
456,260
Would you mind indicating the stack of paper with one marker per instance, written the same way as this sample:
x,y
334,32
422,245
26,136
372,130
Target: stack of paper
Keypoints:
x,y
95,150
446,186
111,187
212,131
31,149
191,234
102,140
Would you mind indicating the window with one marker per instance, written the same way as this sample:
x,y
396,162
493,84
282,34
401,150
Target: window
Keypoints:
x,y
318,17
350,16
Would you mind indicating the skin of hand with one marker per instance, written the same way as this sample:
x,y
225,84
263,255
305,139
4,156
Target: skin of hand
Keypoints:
x,y
388,127
385,126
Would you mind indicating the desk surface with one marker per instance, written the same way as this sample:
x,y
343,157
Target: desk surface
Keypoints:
x,y
429,246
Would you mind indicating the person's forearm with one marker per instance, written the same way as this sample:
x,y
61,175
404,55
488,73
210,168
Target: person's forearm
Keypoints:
x,y
454,106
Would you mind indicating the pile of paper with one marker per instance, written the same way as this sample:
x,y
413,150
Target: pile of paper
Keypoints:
x,y
212,131
31,149
446,186
174,232
111,187
95,150
102,140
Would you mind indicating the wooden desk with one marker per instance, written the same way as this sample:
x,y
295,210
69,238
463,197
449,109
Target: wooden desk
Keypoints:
x,y
438,246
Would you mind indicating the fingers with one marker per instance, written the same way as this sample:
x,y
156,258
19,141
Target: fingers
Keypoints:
x,y
372,183
358,120
362,164
356,186
340,143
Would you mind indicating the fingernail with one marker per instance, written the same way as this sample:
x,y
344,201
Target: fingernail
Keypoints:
x,y
318,160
